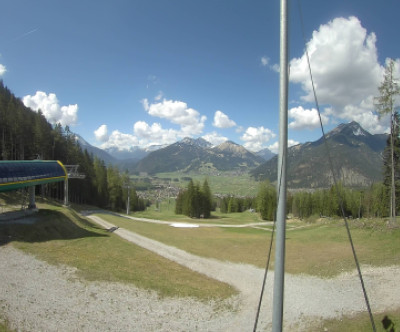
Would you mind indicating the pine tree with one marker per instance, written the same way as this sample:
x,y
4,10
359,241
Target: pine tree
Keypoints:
x,y
267,201
194,202
179,202
206,200
385,104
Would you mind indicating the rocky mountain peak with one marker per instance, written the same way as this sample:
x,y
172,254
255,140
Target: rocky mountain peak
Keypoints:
x,y
349,129
231,147
201,142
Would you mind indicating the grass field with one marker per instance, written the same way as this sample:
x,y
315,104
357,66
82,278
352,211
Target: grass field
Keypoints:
x,y
167,212
224,183
359,322
4,327
320,249
61,236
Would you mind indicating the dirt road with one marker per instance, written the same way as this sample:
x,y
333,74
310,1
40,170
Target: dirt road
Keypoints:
x,y
36,296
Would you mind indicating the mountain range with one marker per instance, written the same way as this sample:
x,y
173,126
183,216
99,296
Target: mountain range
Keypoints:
x,y
355,155
199,155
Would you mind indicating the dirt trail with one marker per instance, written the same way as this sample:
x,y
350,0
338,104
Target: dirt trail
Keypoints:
x,y
306,297
35,296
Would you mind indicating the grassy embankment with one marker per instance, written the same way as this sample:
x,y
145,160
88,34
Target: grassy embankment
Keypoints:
x,y
61,236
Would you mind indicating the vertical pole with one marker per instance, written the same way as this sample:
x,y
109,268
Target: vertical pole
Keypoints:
x,y
32,203
277,314
393,187
129,199
66,191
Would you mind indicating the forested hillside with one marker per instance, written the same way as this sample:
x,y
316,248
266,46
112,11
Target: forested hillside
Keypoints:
x,y
25,135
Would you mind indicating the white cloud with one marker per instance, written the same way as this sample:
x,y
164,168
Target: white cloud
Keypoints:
x,y
255,138
101,133
221,120
214,138
239,129
346,71
2,69
305,119
264,61
144,135
51,109
159,96
275,146
154,134
275,67
177,112
120,140
145,104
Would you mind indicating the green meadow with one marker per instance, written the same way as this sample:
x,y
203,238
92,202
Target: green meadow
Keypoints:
x,y
319,247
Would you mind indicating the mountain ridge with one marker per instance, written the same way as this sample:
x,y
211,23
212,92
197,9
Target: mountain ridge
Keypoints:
x,y
355,155
353,150
198,155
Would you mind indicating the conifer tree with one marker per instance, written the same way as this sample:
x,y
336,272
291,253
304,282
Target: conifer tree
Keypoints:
x,y
386,104
267,201
206,200
194,202
179,202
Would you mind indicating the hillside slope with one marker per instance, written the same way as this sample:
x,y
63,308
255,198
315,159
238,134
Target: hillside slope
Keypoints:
x,y
196,155
355,155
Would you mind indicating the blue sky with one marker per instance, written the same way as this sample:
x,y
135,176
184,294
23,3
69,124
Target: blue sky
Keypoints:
x,y
139,73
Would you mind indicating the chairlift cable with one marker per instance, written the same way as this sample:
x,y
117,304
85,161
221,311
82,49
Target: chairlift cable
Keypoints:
x,y
268,260
334,177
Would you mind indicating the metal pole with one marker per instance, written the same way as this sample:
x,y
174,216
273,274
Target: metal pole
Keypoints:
x,y
277,313
129,201
32,203
66,191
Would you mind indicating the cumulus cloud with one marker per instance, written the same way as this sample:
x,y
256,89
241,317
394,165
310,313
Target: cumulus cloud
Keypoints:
x,y
345,68
51,109
120,140
101,133
144,135
214,138
177,112
305,118
2,69
221,120
154,134
275,146
190,123
255,138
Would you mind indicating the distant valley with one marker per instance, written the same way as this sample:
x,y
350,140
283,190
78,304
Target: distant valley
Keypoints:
x,y
355,154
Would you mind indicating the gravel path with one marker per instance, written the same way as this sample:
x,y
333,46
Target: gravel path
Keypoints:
x,y
35,296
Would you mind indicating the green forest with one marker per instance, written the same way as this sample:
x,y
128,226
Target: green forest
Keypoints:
x,y
27,135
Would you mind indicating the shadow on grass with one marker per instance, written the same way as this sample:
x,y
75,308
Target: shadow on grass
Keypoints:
x,y
47,225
